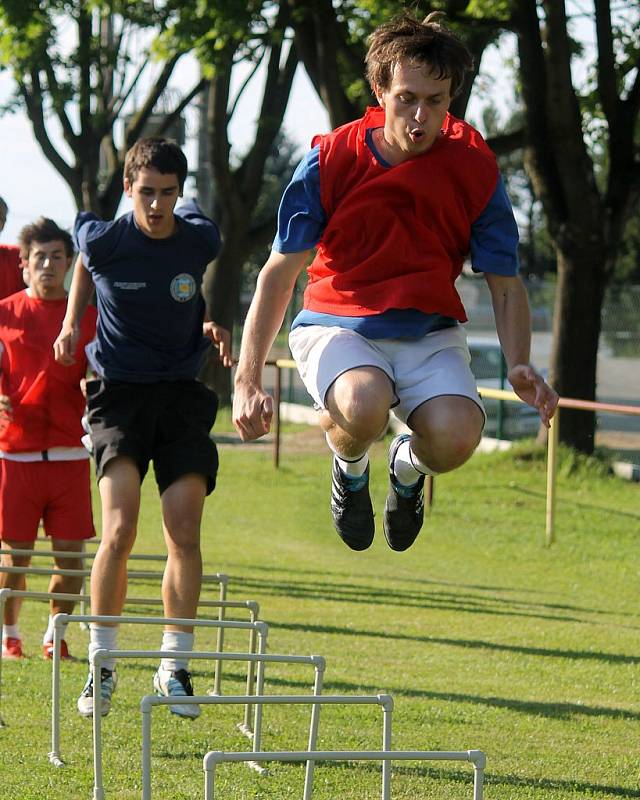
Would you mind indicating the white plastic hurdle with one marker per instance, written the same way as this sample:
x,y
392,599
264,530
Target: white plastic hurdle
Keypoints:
x,y
476,757
148,702
318,663
216,577
250,605
59,620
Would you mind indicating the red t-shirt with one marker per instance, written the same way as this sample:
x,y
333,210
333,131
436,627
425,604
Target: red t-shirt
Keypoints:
x,y
46,398
10,270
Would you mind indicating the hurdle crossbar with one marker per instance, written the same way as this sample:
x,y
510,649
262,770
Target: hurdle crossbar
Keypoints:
x,y
476,757
60,620
216,577
318,662
255,757
250,605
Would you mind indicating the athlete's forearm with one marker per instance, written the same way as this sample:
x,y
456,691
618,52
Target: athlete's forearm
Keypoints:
x,y
513,318
79,294
266,313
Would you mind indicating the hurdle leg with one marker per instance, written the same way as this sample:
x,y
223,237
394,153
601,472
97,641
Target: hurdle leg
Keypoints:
x,y
257,726
478,778
386,746
313,731
54,756
220,640
245,726
146,751
96,670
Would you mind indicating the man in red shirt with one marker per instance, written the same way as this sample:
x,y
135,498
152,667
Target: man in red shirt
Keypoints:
x,y
392,204
44,469
10,268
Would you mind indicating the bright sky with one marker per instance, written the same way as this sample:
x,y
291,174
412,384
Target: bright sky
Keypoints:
x,y
32,187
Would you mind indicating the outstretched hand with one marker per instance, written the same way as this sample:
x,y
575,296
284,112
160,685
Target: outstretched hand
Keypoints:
x,y
252,411
221,338
531,387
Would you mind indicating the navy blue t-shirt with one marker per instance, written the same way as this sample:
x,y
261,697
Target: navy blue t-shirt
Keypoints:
x,y
150,304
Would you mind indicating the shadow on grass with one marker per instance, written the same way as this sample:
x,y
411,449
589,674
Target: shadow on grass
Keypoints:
x,y
494,780
540,785
559,711
481,644
615,512
437,600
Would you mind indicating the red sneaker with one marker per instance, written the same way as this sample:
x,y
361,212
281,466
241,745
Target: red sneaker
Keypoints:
x,y
12,647
47,651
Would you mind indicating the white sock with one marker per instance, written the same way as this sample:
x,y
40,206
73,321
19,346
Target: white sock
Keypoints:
x,y
11,631
353,467
407,467
103,637
48,634
176,640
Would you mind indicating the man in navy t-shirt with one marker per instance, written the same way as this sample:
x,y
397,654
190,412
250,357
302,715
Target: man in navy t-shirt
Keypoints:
x,y
146,404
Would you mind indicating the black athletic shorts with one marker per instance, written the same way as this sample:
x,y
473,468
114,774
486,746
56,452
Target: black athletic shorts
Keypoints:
x,y
167,422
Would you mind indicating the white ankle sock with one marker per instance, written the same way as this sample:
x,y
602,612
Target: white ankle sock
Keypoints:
x,y
176,640
103,637
48,634
407,467
11,631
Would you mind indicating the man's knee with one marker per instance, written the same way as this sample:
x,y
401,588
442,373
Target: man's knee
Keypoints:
x,y
446,432
118,538
359,401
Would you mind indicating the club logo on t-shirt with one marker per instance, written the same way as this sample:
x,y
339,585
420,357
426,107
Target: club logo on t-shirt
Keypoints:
x,y
183,287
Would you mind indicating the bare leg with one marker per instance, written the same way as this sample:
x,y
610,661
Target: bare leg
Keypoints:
x,y
182,505
357,410
120,496
67,584
14,580
445,431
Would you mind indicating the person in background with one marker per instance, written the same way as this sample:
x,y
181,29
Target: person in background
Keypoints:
x,y
11,273
44,469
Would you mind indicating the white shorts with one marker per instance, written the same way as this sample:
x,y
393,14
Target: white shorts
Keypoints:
x,y
419,369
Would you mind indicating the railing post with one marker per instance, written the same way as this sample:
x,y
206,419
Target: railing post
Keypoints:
x,y
552,464
278,393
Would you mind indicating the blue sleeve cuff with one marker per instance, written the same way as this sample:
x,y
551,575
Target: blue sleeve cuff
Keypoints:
x,y
301,218
494,236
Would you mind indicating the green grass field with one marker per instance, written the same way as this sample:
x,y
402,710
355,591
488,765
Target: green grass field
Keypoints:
x,y
485,639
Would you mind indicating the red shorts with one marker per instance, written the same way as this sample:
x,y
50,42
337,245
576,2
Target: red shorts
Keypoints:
x,y
56,492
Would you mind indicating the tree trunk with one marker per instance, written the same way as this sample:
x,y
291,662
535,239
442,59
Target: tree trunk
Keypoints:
x,y
576,331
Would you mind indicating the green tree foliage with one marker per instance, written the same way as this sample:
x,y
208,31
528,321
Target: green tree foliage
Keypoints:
x,y
77,65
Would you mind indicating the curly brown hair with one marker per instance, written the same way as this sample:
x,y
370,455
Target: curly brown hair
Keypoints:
x,y
43,230
156,153
427,42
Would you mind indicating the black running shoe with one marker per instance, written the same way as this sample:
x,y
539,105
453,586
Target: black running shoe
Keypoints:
x,y
404,507
352,510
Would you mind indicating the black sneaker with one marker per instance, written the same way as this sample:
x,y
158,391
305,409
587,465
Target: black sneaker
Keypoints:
x,y
404,507
352,510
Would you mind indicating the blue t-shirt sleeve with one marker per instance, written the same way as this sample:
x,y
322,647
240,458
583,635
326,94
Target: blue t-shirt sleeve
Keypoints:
x,y
91,237
205,228
301,218
494,236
